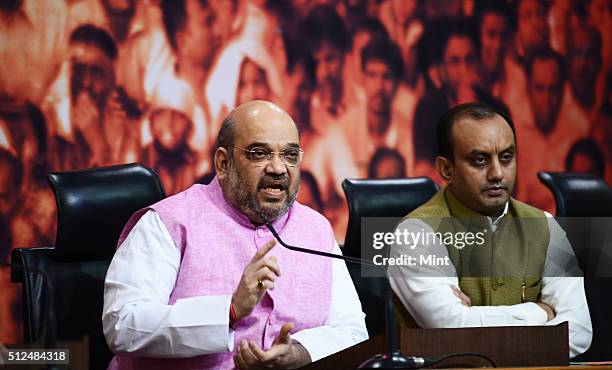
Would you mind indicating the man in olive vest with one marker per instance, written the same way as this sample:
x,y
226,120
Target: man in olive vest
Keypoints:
x,y
479,257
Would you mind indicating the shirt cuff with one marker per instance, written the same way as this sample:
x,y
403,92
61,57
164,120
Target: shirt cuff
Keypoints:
x,y
317,348
324,341
533,314
196,311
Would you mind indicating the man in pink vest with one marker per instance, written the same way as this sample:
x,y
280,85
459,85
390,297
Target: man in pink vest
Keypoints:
x,y
197,282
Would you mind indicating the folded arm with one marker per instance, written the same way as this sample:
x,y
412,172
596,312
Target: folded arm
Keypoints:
x,y
428,294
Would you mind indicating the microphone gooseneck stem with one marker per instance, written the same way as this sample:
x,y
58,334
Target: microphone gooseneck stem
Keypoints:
x,y
390,324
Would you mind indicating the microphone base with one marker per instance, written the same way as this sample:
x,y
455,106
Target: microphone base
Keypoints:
x,y
393,360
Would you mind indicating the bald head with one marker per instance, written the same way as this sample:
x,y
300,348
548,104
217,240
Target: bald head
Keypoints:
x,y
256,112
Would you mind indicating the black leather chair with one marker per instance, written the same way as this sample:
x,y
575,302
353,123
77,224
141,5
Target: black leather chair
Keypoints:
x,y
578,194
381,198
378,198
92,207
584,210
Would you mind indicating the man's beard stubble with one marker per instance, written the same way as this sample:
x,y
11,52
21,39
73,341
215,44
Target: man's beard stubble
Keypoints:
x,y
234,190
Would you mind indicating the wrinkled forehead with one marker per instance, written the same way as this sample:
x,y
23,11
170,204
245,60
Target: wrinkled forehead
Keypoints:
x,y
490,135
267,125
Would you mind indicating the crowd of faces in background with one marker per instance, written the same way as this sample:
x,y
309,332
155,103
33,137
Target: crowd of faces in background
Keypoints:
x,y
86,83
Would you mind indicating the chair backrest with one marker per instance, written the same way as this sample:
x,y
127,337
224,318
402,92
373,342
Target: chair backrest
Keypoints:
x,y
378,198
584,202
381,198
92,208
579,194
99,202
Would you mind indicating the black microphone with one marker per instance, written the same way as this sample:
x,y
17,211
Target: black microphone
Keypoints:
x,y
393,358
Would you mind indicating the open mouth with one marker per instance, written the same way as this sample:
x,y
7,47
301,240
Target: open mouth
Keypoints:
x,y
275,190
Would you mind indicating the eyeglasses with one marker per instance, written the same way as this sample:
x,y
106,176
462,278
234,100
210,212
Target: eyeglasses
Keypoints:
x,y
291,157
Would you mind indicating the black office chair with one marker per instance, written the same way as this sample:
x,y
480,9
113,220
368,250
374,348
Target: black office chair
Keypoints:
x,y
578,194
92,207
381,198
378,198
584,210
583,201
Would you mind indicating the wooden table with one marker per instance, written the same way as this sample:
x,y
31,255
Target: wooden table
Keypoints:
x,y
543,347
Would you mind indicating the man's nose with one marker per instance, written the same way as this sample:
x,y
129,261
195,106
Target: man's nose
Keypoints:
x,y
276,165
495,172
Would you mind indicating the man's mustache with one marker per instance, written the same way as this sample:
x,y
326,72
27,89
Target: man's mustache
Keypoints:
x,y
270,181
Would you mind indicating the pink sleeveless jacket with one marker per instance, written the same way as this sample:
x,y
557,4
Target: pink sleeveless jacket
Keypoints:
x,y
216,242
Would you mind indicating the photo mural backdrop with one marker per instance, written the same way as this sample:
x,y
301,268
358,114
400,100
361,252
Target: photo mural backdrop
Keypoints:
x,y
86,83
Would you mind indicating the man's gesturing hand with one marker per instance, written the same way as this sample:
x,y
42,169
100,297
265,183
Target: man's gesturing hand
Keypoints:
x,y
249,291
284,353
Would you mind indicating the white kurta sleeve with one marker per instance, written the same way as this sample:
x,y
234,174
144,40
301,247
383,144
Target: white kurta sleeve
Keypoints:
x,y
427,294
137,319
345,323
429,299
563,290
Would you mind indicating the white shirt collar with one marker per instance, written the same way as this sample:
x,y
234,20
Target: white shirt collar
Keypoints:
x,y
494,222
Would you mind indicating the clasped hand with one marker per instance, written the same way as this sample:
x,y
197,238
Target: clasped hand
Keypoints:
x,y
259,275
466,301
285,353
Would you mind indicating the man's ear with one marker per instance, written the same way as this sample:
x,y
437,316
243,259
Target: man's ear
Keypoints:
x,y
445,169
221,162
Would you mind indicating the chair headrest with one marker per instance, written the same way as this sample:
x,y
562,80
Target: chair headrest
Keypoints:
x,y
579,194
387,197
382,198
93,206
